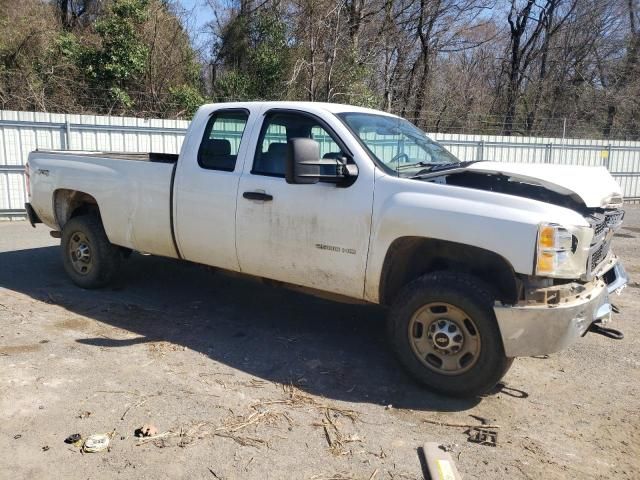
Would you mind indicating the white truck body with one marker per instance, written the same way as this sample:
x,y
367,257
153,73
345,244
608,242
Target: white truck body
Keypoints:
x,y
339,238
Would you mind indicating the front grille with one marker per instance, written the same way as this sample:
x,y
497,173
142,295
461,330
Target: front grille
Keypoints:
x,y
599,255
602,223
614,218
599,228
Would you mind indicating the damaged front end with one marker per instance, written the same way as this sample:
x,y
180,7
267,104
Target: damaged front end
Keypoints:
x,y
574,271
550,317
552,313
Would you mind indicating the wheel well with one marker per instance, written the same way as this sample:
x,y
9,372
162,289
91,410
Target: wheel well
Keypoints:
x,y
71,203
411,257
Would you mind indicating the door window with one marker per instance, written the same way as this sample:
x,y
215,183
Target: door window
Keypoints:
x,y
221,141
278,128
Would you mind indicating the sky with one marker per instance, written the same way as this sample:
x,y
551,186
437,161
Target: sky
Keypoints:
x,y
198,14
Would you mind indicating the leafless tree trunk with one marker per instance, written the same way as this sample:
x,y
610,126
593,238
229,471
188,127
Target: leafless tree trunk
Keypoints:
x,y
530,35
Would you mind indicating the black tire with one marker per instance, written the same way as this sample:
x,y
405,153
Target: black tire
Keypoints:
x,y
104,258
465,294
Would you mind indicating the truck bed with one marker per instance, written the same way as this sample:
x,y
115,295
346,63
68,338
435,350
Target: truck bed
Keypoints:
x,y
133,190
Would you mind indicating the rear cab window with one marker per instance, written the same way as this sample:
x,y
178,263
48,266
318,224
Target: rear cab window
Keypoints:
x,y
221,141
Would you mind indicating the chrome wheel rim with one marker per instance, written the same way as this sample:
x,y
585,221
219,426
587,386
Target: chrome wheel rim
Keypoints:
x,y
444,338
79,251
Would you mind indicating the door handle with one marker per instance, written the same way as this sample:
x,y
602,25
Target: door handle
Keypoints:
x,y
265,197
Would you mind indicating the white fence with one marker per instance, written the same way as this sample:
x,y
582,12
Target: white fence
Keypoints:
x,y
22,132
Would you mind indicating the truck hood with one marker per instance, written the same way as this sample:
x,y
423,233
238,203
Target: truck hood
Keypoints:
x,y
593,185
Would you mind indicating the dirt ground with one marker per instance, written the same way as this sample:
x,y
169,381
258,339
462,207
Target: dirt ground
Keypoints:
x,y
244,380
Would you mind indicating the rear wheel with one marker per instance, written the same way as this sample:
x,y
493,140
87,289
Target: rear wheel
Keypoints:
x,y
443,328
88,257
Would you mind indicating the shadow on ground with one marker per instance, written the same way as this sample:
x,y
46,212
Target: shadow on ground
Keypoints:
x,y
330,349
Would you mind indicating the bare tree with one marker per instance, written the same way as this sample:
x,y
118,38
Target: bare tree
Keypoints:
x,y
531,28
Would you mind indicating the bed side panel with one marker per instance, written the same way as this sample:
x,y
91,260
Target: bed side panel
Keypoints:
x,y
133,197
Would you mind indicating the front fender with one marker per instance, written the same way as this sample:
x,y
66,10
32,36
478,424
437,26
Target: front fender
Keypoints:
x,y
502,224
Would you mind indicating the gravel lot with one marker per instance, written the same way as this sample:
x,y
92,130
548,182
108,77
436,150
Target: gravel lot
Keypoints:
x,y
251,381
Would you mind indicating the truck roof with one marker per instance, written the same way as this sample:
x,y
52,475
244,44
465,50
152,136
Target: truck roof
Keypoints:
x,y
329,107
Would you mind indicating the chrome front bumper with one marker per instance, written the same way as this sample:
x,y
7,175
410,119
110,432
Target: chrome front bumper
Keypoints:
x,y
544,328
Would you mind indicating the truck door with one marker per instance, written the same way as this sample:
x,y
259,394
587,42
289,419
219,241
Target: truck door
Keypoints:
x,y
206,188
313,235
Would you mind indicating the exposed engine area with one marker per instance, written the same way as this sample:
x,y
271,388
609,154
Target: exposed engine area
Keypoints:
x,y
504,184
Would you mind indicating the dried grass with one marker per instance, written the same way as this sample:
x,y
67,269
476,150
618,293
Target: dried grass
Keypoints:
x,y
296,398
335,438
266,413
228,429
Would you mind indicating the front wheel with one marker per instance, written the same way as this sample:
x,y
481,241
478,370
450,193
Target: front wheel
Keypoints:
x,y
88,257
444,331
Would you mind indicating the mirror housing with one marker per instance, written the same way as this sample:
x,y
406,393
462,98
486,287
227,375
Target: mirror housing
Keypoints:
x,y
302,157
303,164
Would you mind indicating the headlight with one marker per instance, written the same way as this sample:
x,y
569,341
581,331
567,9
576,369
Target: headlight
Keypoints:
x,y
562,252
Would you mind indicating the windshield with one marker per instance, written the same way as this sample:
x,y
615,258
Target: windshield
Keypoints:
x,y
397,144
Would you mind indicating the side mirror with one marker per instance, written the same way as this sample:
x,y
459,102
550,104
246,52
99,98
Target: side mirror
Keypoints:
x,y
303,157
304,162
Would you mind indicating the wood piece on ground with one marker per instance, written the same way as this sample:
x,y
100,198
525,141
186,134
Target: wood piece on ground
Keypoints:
x,y
140,403
440,464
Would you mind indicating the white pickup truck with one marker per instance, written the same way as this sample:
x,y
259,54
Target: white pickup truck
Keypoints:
x,y
477,262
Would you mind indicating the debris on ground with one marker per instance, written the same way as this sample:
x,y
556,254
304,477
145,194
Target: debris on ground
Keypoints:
x,y
97,443
139,404
440,464
482,420
159,439
483,436
334,436
449,447
254,383
455,424
74,439
215,475
232,428
146,430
